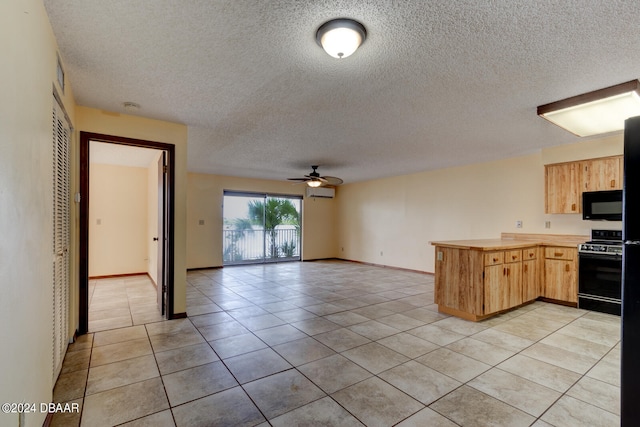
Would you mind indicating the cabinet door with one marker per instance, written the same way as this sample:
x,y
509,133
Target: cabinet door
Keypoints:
x,y
563,188
513,282
496,297
602,174
530,281
560,280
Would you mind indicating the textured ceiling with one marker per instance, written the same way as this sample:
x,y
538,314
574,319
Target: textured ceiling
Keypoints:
x,y
436,83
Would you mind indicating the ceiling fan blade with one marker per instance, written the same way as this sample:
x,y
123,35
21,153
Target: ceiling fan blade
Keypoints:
x,y
332,180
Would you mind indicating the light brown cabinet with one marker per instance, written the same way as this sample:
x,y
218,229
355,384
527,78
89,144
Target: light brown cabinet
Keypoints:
x,y
560,274
602,174
531,288
562,188
474,284
502,281
565,182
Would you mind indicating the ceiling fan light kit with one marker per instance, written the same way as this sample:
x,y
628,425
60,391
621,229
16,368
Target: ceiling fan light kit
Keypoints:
x,y
340,38
597,112
314,179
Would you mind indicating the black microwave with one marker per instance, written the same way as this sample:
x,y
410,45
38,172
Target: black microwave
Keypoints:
x,y
602,205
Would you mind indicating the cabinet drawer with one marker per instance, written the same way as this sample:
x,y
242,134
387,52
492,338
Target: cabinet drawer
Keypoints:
x,y
493,258
560,253
513,256
529,253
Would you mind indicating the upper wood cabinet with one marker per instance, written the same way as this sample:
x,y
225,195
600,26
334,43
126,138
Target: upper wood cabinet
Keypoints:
x,y
565,182
602,174
562,188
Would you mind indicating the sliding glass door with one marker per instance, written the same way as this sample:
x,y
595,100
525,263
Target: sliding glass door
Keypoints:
x,y
261,228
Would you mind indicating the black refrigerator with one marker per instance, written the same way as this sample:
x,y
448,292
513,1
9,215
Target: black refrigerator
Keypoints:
x,y
630,369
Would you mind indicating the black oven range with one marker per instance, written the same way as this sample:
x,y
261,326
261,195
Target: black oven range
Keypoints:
x,y
600,272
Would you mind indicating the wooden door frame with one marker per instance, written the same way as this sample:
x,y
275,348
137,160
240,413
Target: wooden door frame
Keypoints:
x,y
83,270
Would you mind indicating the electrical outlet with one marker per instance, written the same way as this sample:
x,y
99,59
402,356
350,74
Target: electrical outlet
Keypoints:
x,y
380,253
518,224
98,221
547,224
201,222
440,256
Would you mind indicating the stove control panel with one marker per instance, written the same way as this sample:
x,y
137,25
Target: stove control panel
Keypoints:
x,y
598,248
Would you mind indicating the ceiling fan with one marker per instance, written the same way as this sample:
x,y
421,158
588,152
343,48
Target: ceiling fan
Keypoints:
x,y
315,180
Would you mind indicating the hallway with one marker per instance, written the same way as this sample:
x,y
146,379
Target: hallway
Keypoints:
x,y
122,301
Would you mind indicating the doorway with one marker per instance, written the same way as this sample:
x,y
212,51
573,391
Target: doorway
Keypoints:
x,y
261,228
165,223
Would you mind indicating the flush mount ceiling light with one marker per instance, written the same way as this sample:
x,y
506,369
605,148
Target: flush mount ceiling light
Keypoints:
x,y
341,37
597,112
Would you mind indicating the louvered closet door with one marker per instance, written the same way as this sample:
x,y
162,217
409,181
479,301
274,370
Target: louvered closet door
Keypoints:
x,y
61,226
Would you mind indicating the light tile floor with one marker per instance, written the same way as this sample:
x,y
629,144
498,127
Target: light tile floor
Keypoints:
x,y
334,343
120,302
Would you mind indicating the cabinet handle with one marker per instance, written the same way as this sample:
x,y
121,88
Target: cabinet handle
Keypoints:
x,y
514,256
507,272
495,260
504,271
526,268
531,255
558,254
573,207
567,267
613,183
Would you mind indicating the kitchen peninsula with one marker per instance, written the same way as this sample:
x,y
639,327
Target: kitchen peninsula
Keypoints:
x,y
476,279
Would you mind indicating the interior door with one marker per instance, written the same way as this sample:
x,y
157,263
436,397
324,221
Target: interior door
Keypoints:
x,y
162,235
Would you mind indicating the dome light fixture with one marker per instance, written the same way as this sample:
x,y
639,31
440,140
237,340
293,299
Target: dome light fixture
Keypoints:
x,y
314,183
341,37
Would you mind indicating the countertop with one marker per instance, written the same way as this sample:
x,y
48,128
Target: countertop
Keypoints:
x,y
503,244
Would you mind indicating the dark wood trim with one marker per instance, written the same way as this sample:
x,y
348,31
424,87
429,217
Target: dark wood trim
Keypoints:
x,y
182,315
205,268
83,270
83,265
48,420
116,276
381,265
633,85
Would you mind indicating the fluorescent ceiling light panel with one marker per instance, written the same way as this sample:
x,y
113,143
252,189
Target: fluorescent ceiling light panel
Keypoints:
x,y
597,112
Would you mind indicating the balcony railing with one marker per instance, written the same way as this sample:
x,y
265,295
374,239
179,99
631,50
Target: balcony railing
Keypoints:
x,y
241,246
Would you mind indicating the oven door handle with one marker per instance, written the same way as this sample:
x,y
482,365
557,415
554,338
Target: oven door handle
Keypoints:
x,y
632,242
599,257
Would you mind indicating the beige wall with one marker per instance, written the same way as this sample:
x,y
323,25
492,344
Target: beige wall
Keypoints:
x,y
118,220
28,71
391,221
204,201
92,120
